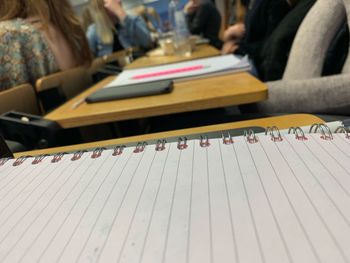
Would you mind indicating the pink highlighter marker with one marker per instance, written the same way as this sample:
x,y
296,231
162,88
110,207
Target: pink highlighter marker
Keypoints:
x,y
168,72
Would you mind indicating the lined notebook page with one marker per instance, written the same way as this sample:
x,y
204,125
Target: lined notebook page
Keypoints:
x,y
269,202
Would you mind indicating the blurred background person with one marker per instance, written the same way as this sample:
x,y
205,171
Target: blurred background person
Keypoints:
x,y
203,18
152,19
274,54
113,29
235,32
261,18
37,38
85,17
236,12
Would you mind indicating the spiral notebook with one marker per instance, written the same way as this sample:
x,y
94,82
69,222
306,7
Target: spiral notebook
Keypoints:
x,y
255,198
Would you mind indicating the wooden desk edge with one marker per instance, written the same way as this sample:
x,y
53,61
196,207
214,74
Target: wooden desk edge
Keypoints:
x,y
259,93
159,111
282,122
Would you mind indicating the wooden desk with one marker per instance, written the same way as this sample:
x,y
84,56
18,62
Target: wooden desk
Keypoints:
x,y
282,122
152,59
192,95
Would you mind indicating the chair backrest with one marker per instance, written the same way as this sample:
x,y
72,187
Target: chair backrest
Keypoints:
x,y
313,39
67,84
122,58
21,98
302,88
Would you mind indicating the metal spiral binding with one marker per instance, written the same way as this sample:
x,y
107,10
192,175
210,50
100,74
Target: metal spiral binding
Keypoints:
x,y
118,150
299,133
250,136
204,141
97,152
227,140
77,155
4,160
20,160
326,133
39,159
182,143
343,129
140,147
160,146
58,157
274,133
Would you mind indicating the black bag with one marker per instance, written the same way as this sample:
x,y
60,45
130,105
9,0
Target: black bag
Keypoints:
x,y
32,131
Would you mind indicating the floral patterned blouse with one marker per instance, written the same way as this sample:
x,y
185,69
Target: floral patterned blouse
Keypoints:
x,y
24,54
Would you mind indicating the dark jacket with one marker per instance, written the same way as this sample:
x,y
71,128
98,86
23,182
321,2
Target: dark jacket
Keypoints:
x,y
262,17
337,52
274,55
206,21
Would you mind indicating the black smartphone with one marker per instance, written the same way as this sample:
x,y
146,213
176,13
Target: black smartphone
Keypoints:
x,y
130,91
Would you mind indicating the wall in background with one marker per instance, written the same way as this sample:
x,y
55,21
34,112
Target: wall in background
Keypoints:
x,y
162,7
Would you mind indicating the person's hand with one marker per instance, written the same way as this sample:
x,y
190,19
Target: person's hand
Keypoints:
x,y
234,32
229,47
191,6
115,7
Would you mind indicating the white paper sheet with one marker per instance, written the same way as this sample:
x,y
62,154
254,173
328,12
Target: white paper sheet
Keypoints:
x,y
182,70
286,201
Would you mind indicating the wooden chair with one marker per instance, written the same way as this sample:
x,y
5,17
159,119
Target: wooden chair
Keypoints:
x,y
112,64
121,58
56,88
21,98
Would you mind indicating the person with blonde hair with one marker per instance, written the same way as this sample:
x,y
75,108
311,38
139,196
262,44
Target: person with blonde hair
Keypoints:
x,y
150,16
37,38
114,29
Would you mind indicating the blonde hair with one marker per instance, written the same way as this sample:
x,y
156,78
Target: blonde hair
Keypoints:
x,y
146,13
86,19
59,13
104,25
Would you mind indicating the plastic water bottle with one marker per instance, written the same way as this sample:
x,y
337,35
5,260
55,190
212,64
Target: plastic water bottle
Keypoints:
x,y
172,11
178,26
